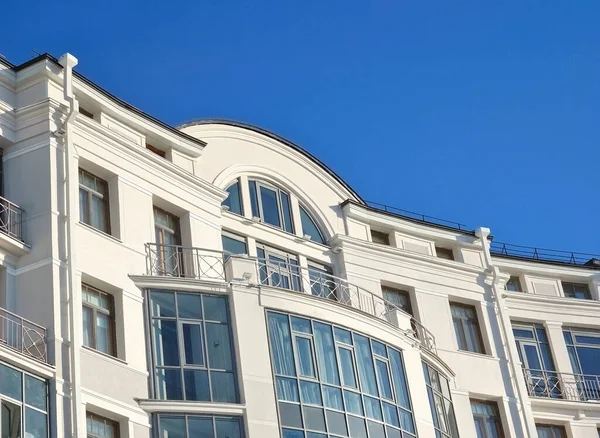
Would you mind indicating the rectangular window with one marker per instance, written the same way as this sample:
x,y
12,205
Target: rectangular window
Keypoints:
x,y
192,347
550,431
330,380
322,282
444,253
168,256
233,244
100,427
98,320
86,113
198,426
514,284
576,290
233,202
584,352
466,327
487,419
440,403
271,205
380,237
93,201
278,268
398,297
156,150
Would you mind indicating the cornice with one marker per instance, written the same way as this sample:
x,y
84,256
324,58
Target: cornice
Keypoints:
x,y
144,282
555,305
539,268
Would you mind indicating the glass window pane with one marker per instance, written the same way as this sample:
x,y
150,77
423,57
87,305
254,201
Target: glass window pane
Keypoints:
x,y
35,392
281,344
311,393
99,214
253,199
290,415
287,212
104,334
342,335
326,354
168,384
314,418
287,389
305,357
215,308
291,433
189,306
310,227
227,428
270,206
383,377
353,402
347,365
375,430
163,304
399,378
406,420
223,387
165,342
233,246
337,423
393,433
315,435
219,346
379,348
196,385
192,344
10,383
172,427
234,200
36,424
88,329
372,408
200,427
84,207
366,371
333,397
390,414
357,426
301,325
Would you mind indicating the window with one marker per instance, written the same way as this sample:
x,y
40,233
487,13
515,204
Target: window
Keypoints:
x,y
466,327
271,205
399,298
93,201
513,284
156,150
233,244
440,403
309,227
23,404
379,237
322,282
584,351
98,320
86,113
330,380
100,427
234,199
278,268
487,419
576,290
192,347
444,253
167,258
198,426
550,431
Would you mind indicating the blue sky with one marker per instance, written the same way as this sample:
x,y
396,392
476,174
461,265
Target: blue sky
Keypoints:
x,y
471,111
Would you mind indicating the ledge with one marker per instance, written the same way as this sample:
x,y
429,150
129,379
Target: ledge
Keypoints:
x,y
178,283
560,305
191,407
26,363
13,246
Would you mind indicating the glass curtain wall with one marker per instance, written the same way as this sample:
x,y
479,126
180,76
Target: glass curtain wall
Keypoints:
x,y
440,403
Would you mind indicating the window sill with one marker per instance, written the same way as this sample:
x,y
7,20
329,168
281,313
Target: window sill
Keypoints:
x,y
181,406
474,354
100,232
104,355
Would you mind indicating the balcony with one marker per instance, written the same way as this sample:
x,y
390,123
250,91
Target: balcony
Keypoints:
x,y
562,386
184,262
11,219
23,336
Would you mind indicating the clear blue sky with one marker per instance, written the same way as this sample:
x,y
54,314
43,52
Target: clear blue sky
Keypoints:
x,y
471,111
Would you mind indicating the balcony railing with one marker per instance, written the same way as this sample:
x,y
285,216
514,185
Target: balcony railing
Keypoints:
x,y
11,219
545,255
184,262
327,286
417,216
26,337
551,384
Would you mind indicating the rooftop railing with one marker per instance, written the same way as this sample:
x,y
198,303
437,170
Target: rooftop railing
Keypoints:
x,y
544,254
184,262
26,337
417,216
11,219
327,286
565,386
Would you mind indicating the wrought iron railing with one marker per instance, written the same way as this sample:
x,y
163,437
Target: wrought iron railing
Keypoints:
x,y
544,254
417,216
184,262
552,384
11,219
24,336
322,284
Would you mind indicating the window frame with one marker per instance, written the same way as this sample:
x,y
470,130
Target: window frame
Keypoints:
x,y
321,236
236,237
557,430
237,182
382,238
571,285
401,292
444,253
433,394
516,281
110,312
496,418
186,416
94,193
478,342
259,204
292,271
115,425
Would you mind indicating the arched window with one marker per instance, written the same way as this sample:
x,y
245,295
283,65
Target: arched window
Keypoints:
x,y
234,200
271,205
309,227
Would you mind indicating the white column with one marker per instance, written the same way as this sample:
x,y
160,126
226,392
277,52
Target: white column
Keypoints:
x,y
554,331
245,193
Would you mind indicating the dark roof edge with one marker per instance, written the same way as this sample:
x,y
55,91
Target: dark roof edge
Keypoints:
x,y
544,261
110,96
280,139
412,219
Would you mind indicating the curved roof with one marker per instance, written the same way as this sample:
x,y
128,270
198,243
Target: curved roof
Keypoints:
x,y
280,139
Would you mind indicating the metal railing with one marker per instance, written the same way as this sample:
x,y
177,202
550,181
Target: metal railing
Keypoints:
x,y
417,216
552,384
24,336
327,286
544,254
184,262
11,219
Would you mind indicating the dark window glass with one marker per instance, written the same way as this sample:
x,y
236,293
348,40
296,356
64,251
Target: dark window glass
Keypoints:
x,y
440,403
98,320
514,284
233,245
234,199
271,205
93,201
286,210
466,328
379,237
310,227
167,260
100,427
199,426
397,297
487,419
550,431
444,253
584,353
576,290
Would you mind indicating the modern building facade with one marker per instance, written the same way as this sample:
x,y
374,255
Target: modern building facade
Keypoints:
x,y
217,280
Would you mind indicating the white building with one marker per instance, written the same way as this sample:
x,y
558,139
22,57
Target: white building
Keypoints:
x,y
121,316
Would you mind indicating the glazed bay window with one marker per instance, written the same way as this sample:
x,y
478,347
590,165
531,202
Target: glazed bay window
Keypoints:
x,y
98,320
440,403
466,327
93,201
334,382
100,427
198,426
192,348
487,419
271,204
23,404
